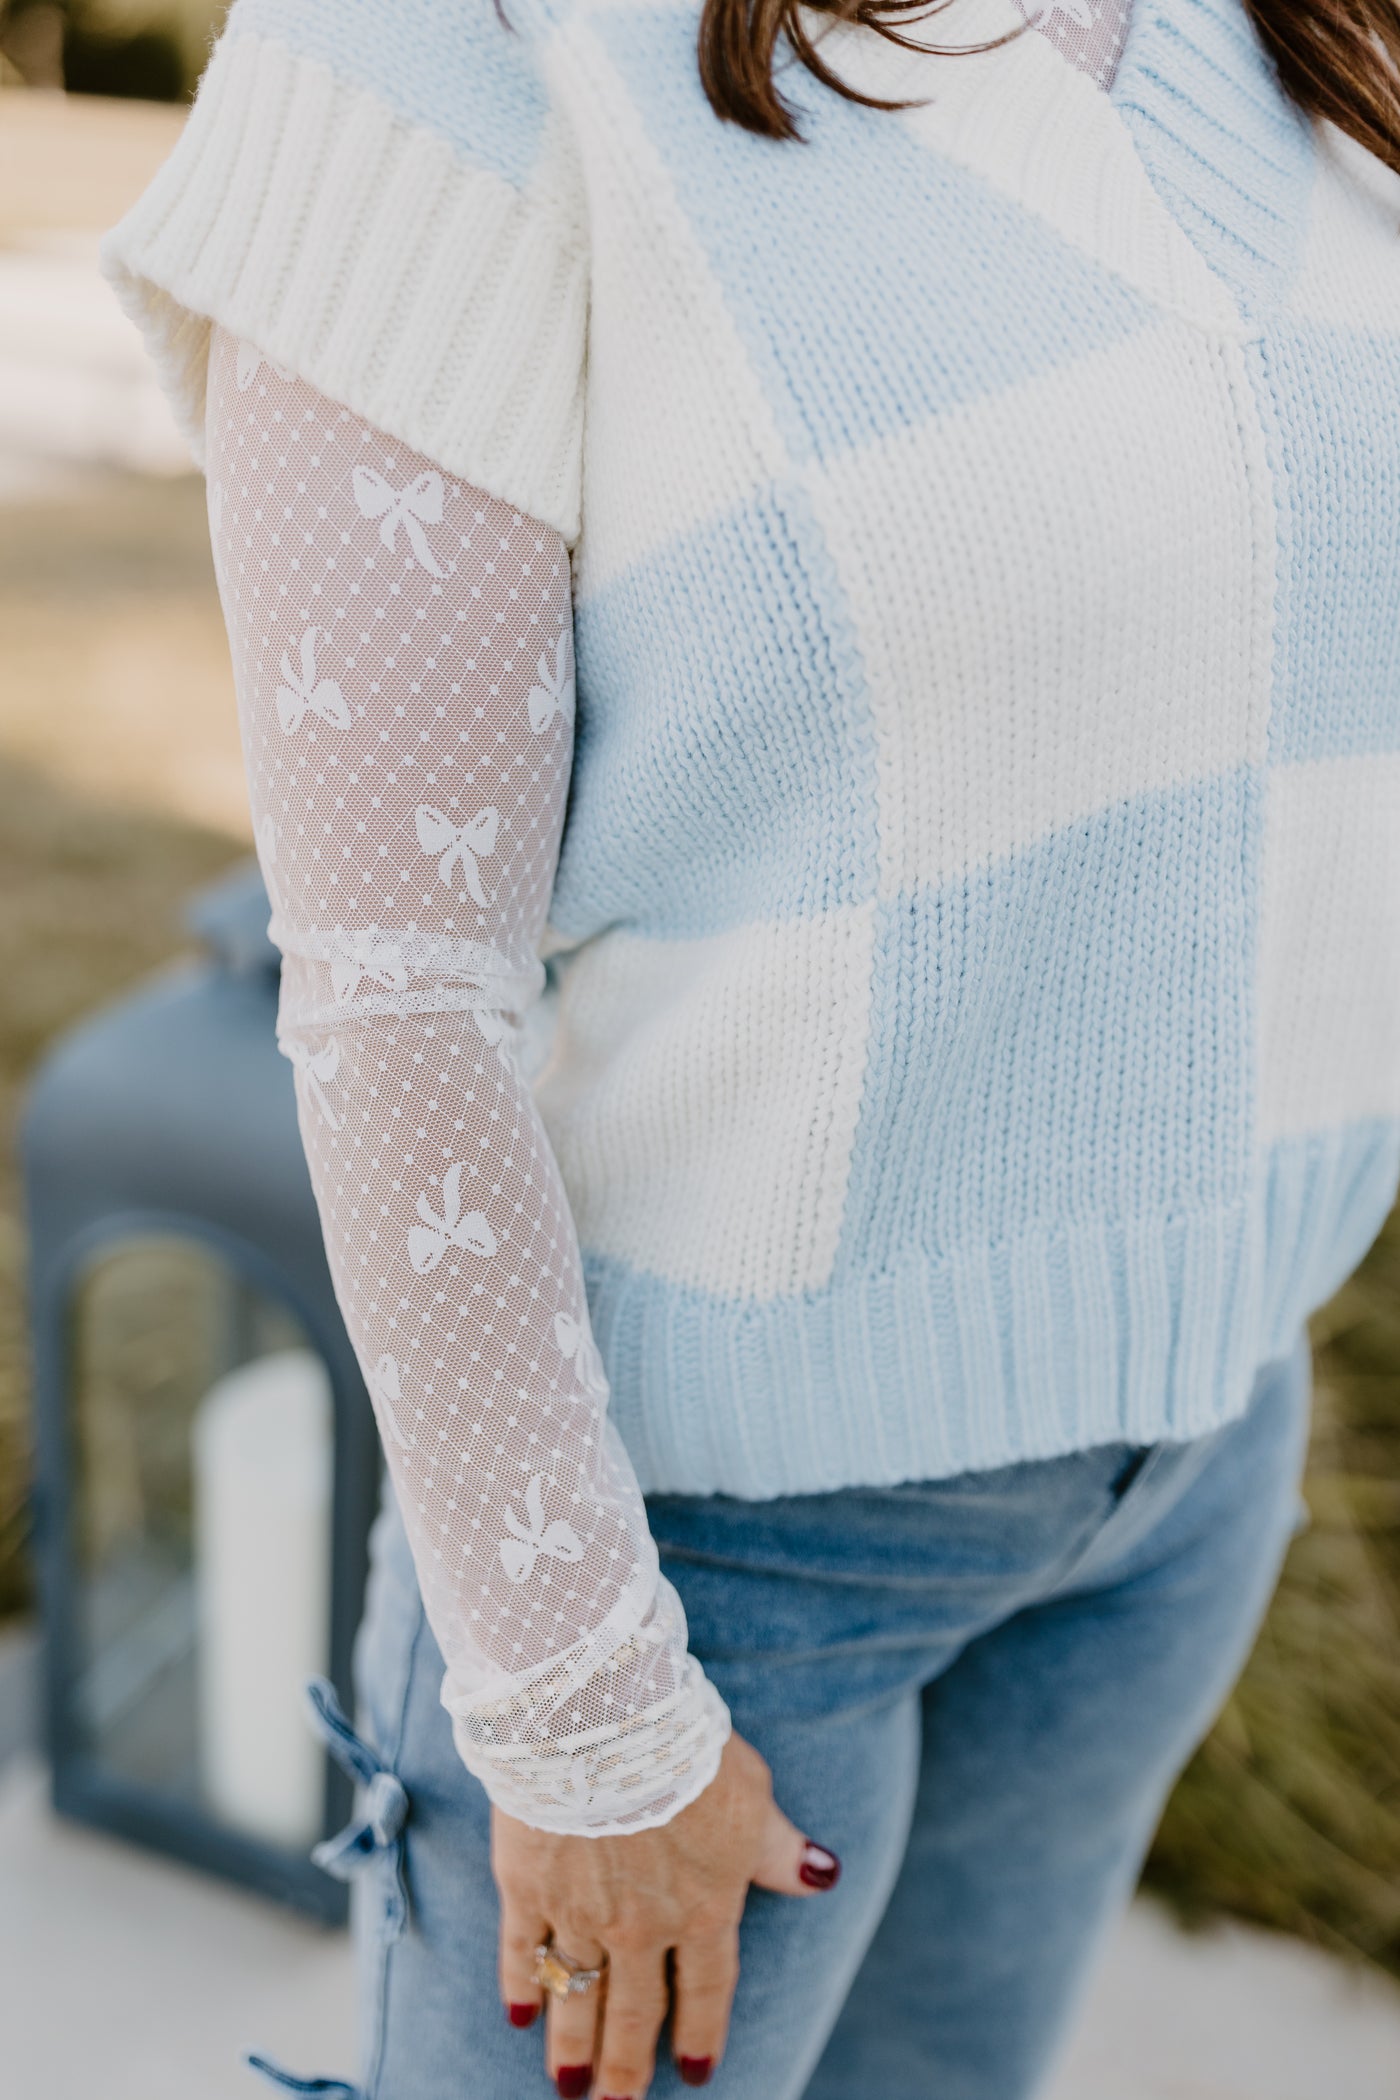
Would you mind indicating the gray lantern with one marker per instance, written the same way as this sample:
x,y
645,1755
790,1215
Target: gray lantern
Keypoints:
x,y
207,1457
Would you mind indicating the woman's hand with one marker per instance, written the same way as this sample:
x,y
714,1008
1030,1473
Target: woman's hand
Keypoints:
x,y
676,1890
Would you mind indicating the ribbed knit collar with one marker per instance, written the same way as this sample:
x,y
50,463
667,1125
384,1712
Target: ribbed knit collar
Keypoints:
x,y
1188,178
1231,157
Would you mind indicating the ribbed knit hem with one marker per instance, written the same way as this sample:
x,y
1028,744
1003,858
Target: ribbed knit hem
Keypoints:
x,y
1138,1332
427,295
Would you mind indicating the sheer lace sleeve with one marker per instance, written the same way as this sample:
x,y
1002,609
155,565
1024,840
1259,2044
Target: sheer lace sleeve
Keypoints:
x,y
402,649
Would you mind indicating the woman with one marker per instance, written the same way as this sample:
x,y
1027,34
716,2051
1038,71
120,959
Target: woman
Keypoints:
x,y
971,1047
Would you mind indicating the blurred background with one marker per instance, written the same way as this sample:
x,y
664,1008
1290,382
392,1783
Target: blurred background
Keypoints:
x,y
1264,1964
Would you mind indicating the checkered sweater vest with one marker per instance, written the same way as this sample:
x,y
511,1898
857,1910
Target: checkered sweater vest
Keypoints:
x,y
975,954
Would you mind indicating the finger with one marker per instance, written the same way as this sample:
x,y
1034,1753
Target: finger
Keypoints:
x,y
702,1991
791,1863
632,2014
571,2034
521,1934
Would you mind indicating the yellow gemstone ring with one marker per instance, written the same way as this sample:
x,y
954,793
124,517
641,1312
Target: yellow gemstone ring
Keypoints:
x,y
562,1977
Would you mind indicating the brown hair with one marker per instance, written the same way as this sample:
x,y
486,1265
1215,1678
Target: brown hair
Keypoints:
x,y
1336,58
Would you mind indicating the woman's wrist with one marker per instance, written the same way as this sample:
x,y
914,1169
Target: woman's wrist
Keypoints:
x,y
601,1781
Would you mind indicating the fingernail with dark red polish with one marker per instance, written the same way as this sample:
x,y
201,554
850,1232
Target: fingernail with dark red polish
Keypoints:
x,y
695,2070
573,2080
819,1869
522,2015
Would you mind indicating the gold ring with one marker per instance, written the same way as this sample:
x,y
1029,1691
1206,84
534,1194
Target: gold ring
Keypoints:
x,y
563,1977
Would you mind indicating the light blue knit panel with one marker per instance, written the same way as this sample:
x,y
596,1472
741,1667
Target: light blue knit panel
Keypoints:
x,y
448,65
1006,1351
1327,1194
1027,1016
811,293
1332,401
709,770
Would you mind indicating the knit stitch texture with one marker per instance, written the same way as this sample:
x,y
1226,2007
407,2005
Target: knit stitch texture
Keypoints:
x,y
975,952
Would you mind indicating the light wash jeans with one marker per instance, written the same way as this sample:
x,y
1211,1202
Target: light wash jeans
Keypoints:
x,y
977,1691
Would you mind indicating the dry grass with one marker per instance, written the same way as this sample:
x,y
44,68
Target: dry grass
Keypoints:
x,y
1291,1812
124,790
114,680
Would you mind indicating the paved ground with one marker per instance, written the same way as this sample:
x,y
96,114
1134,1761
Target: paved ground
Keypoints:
x,y
176,1976
128,1977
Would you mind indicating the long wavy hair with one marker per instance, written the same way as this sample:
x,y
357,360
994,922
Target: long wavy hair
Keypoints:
x,y
1336,58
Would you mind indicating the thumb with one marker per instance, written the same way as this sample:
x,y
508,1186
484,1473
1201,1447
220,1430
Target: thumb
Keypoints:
x,y
790,1863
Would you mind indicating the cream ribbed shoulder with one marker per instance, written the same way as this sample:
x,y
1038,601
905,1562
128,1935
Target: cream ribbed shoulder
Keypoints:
x,y
410,242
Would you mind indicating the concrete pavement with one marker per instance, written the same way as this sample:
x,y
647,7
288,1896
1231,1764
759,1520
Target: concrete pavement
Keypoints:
x,y
124,1975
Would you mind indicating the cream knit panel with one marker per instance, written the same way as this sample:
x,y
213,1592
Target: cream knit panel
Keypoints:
x,y
402,649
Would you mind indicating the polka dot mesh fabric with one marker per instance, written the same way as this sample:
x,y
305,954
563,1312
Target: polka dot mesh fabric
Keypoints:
x,y
402,650
1089,33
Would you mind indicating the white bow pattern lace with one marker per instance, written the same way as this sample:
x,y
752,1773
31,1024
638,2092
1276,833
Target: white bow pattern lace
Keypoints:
x,y
318,1068
1090,34
403,655
302,693
417,504
458,842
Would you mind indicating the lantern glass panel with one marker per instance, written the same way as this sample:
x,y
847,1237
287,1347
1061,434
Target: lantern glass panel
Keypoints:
x,y
202,1433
